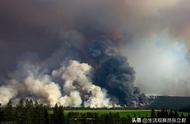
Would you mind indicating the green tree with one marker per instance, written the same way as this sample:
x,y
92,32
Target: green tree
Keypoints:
x,y
20,112
58,116
29,108
46,115
1,113
153,113
8,112
176,115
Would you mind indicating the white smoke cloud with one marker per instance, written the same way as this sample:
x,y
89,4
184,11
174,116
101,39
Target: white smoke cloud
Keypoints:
x,y
6,93
43,88
73,99
77,89
97,99
76,81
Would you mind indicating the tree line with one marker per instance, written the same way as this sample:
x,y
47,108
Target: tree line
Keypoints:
x,y
31,112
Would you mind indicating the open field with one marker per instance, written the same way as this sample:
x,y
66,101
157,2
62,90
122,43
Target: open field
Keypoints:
x,y
122,113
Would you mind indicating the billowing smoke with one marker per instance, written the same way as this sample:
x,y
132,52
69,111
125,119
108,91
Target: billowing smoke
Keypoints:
x,y
102,33
76,84
114,73
77,89
6,93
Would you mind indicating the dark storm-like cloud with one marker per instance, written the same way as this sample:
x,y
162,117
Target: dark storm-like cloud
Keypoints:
x,y
41,26
113,73
60,31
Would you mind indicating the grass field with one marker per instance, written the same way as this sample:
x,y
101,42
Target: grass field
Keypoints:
x,y
122,113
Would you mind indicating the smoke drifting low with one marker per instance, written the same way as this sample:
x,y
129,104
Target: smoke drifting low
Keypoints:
x,y
77,90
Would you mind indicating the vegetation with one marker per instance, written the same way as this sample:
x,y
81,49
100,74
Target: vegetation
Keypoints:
x,y
31,112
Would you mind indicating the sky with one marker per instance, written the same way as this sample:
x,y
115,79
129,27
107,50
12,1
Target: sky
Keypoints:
x,y
153,36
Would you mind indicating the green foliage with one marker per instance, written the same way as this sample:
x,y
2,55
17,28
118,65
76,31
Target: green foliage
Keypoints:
x,y
31,112
58,116
153,113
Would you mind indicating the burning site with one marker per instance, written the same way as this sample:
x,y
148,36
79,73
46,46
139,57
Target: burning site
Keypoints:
x,y
95,54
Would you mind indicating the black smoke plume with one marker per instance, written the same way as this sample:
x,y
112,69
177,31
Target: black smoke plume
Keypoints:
x,y
114,73
79,59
